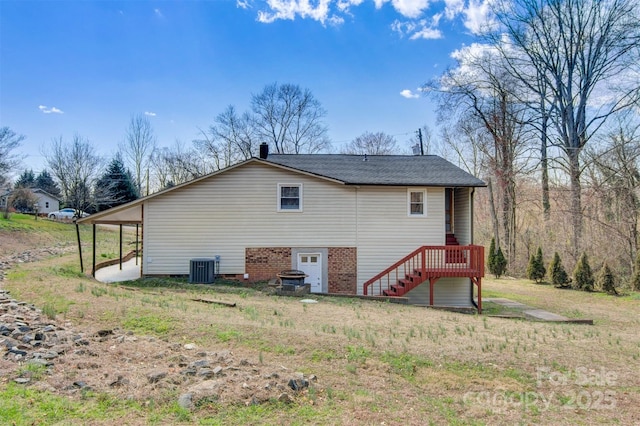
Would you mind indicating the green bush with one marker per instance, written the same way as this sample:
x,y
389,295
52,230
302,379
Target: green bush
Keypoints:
x,y
536,270
557,273
606,280
582,275
500,264
491,258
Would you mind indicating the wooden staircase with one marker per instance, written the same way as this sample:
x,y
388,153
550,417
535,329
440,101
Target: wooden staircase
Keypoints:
x,y
404,285
429,263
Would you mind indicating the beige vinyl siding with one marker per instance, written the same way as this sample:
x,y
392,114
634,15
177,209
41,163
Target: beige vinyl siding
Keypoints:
x,y
462,215
386,233
446,292
226,213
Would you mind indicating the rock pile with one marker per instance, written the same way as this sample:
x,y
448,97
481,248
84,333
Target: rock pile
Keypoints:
x,y
50,355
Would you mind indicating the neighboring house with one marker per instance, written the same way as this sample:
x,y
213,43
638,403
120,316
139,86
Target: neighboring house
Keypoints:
x,y
342,219
47,203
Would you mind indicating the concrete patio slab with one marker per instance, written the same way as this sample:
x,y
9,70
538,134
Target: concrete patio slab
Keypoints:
x,y
112,274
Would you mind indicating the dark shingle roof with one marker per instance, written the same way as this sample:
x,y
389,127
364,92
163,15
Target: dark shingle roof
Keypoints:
x,y
401,170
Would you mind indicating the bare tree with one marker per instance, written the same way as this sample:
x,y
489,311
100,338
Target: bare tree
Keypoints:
x,y
575,48
481,92
137,148
614,172
9,141
378,143
290,119
75,166
176,165
231,139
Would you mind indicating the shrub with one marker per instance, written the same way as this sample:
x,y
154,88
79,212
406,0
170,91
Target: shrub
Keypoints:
x,y
635,280
606,280
500,264
557,273
582,275
536,270
491,259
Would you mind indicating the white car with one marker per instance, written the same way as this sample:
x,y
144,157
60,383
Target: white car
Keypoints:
x,y
66,214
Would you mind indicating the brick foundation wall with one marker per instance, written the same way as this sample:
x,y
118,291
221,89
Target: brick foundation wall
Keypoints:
x,y
263,263
343,276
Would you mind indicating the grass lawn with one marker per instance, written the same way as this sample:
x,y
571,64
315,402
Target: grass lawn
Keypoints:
x,y
375,363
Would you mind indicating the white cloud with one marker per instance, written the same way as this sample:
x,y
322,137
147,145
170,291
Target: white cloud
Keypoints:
x,y
416,29
410,8
150,114
475,14
427,33
289,9
406,93
52,110
158,13
478,17
453,8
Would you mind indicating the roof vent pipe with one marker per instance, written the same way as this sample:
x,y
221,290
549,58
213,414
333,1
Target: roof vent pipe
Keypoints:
x,y
264,150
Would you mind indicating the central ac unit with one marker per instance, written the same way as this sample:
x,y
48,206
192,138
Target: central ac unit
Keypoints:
x,y
202,271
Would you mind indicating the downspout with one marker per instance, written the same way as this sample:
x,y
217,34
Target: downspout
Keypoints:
x,y
121,247
93,269
473,190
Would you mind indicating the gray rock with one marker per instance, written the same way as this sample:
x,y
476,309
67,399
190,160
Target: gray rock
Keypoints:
x,y
298,384
155,377
200,364
206,373
285,398
186,401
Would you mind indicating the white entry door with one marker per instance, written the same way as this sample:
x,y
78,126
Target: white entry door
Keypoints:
x,y
311,264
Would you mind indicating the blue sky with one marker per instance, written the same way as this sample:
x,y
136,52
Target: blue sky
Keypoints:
x,y
85,67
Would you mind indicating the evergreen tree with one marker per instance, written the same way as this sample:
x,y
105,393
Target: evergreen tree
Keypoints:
x,y
606,280
45,182
635,280
557,273
500,264
26,180
115,187
582,275
536,270
491,259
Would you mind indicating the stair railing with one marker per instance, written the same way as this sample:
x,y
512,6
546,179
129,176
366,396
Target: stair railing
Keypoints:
x,y
431,261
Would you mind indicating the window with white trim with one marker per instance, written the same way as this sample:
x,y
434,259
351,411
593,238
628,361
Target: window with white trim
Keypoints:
x,y
289,197
417,202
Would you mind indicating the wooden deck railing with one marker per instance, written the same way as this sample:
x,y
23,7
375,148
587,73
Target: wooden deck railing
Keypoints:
x,y
430,262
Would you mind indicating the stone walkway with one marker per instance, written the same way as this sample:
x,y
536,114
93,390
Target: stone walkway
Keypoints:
x,y
535,314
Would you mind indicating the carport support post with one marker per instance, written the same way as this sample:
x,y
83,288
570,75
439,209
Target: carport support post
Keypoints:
x,y
79,248
121,247
137,243
93,270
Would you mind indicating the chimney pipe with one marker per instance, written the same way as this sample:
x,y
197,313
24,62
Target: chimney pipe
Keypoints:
x,y
264,150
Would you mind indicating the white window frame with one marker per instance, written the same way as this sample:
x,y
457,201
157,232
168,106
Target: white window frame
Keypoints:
x,y
424,202
279,197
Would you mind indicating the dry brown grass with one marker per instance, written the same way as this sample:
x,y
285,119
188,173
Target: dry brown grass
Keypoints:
x,y
376,363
